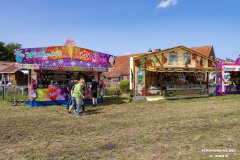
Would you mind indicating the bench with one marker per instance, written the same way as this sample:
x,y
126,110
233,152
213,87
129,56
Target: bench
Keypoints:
x,y
118,94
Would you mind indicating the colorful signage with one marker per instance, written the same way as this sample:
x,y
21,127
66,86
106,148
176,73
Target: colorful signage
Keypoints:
x,y
52,94
27,66
64,55
42,54
63,68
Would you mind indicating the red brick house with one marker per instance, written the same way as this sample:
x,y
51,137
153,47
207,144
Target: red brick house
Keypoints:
x,y
120,71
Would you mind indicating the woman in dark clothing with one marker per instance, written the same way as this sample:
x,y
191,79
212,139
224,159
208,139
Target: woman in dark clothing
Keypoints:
x,y
94,92
237,85
69,88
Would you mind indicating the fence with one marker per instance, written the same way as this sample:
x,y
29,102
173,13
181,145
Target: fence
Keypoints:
x,y
10,93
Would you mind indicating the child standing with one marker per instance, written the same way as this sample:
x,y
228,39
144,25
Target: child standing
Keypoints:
x,y
78,94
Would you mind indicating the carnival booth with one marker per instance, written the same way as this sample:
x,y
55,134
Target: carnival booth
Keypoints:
x,y
175,72
229,76
51,69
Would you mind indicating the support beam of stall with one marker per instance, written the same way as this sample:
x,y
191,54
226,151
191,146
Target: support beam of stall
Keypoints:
x,y
158,60
161,83
145,68
134,74
207,82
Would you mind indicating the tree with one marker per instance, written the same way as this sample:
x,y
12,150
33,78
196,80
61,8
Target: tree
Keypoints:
x,y
7,51
10,47
2,51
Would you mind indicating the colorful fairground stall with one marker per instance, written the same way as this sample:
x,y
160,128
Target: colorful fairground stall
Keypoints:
x,y
51,68
172,73
229,76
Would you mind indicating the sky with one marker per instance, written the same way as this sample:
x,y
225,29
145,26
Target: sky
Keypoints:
x,y
120,27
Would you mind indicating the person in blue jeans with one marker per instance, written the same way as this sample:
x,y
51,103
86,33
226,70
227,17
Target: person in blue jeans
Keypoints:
x,y
69,89
73,105
72,102
78,95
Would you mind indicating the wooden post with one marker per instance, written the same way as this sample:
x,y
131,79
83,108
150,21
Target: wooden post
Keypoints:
x,y
161,83
14,79
29,81
145,69
161,79
133,88
207,82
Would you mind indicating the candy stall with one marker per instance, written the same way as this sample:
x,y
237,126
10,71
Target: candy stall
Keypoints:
x,y
51,69
174,72
228,79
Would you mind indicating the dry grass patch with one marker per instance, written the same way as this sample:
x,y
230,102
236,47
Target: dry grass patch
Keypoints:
x,y
176,129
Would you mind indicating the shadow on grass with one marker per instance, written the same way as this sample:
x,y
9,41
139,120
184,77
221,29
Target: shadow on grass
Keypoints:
x,y
115,100
92,111
108,147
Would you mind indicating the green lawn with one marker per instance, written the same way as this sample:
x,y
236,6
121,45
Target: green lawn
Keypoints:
x,y
119,129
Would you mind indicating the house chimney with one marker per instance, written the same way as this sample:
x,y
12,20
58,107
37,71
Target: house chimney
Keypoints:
x,y
150,50
157,50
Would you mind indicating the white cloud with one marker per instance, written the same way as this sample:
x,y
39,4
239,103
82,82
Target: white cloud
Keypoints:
x,y
167,3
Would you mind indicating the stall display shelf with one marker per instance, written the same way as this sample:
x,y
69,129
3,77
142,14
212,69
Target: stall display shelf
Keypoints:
x,y
184,89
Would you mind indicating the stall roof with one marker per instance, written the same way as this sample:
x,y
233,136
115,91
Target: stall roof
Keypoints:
x,y
70,58
229,61
202,54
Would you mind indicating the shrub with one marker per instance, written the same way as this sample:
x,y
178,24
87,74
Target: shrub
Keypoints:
x,y
112,89
124,86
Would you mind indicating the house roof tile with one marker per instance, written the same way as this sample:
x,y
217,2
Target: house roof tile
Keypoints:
x,y
121,66
204,50
7,67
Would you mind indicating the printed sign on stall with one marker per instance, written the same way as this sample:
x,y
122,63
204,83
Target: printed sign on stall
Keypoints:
x,y
52,94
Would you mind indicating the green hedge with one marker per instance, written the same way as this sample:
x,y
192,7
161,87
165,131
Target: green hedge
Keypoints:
x,y
124,86
112,89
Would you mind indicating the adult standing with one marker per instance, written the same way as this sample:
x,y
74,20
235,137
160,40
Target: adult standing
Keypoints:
x,y
237,84
69,88
72,103
93,88
84,87
78,94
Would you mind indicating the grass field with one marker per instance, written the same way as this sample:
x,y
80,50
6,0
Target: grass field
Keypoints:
x,y
118,129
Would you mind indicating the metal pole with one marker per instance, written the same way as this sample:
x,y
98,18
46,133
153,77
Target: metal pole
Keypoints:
x,y
3,92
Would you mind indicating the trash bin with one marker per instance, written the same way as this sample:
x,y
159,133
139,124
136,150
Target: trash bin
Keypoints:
x,y
131,92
